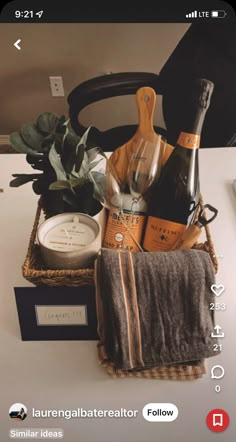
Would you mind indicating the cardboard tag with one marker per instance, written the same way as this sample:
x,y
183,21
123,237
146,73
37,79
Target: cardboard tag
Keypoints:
x,y
58,315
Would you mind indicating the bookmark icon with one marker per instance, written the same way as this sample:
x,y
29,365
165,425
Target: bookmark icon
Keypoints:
x,y
217,420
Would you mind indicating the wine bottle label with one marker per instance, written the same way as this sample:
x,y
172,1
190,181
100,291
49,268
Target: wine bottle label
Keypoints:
x,y
117,236
190,141
161,235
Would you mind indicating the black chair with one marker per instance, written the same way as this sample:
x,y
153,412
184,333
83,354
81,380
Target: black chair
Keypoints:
x,y
107,86
207,50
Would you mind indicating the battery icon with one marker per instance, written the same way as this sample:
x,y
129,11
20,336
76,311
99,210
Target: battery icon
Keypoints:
x,y
218,14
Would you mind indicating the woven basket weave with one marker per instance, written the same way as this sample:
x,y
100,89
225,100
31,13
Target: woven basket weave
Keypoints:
x,y
35,271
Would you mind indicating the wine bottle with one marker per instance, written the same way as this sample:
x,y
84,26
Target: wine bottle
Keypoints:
x,y
175,196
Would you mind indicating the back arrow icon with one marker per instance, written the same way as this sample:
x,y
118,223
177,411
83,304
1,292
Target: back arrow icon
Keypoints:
x,y
16,44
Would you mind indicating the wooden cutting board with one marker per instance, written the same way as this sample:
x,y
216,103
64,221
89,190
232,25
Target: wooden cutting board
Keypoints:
x,y
120,158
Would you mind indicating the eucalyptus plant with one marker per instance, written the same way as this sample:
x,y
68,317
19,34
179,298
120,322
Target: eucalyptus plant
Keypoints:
x,y
64,161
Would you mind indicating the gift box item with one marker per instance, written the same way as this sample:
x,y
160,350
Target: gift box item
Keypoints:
x,y
35,270
56,313
69,240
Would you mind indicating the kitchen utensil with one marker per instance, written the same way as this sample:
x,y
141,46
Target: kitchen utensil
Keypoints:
x,y
120,158
192,233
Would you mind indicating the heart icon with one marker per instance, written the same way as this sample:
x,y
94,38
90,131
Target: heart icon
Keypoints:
x,y
217,289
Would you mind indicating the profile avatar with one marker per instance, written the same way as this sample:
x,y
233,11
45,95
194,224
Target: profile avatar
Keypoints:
x,y
18,412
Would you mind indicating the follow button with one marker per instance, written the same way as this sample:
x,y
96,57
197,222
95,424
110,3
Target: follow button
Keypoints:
x,y
160,412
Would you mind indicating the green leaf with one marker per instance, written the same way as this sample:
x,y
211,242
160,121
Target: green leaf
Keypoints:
x,y
32,175
19,145
94,164
70,198
68,156
74,135
23,179
56,164
84,167
47,122
68,161
31,136
79,157
92,152
58,142
77,182
62,125
86,201
83,139
60,184
47,143
66,133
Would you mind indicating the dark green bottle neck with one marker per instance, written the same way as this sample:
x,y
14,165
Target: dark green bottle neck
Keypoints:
x,y
197,103
195,121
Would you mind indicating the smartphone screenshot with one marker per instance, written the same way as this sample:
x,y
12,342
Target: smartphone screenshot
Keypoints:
x,y
117,221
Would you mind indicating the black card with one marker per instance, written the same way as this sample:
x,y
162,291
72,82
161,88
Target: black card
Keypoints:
x,y
57,313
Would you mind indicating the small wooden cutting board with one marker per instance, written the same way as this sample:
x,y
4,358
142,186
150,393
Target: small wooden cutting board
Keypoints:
x,y
120,158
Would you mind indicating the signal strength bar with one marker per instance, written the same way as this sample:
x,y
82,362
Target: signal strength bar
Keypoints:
x,y
192,15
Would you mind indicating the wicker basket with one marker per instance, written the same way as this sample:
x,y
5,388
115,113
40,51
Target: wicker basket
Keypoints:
x,y
35,271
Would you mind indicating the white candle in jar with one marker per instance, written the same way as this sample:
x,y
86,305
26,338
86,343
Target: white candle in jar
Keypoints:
x,y
69,240
69,236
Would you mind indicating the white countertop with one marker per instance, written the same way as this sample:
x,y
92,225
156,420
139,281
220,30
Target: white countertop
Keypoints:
x,y
66,375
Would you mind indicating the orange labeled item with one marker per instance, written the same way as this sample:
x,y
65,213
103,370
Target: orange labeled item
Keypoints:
x,y
117,236
189,141
125,227
175,196
162,234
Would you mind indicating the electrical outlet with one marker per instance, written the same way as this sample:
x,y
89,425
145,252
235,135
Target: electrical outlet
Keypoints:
x,y
57,88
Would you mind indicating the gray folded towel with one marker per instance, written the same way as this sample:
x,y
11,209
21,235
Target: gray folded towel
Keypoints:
x,y
153,308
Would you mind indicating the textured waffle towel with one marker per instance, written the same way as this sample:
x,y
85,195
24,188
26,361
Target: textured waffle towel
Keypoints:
x,y
177,372
153,312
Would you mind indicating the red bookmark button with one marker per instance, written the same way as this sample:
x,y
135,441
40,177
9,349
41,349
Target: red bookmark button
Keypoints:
x,y
217,420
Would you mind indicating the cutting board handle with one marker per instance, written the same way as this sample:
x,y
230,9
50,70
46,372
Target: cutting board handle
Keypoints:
x,y
146,101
